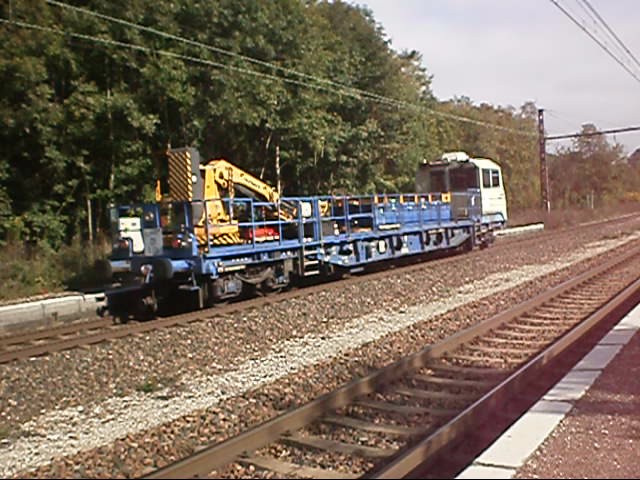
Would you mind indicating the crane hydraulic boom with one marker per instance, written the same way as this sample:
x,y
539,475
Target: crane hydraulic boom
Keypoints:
x,y
209,184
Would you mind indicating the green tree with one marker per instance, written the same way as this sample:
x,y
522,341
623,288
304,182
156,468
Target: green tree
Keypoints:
x,y
81,121
589,173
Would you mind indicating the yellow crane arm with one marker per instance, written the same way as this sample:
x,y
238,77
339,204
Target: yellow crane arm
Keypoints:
x,y
225,173
190,181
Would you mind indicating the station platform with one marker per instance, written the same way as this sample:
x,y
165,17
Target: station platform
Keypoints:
x,y
48,312
586,426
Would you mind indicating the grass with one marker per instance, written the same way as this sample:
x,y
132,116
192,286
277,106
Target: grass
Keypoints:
x,y
29,270
150,385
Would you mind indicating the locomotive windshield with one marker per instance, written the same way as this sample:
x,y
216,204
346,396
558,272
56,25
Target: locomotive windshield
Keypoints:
x,y
463,178
450,177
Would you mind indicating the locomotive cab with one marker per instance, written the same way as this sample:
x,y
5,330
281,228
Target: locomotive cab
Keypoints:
x,y
492,194
475,185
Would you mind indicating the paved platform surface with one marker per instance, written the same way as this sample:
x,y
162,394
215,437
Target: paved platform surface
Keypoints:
x,y
42,313
586,426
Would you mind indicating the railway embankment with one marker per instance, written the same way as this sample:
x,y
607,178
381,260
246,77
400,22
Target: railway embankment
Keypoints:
x,y
162,395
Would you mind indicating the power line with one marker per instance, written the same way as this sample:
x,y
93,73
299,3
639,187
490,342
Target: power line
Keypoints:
x,y
147,50
594,22
597,29
591,134
219,50
344,89
610,30
571,119
600,44
555,115
586,11
203,45
140,48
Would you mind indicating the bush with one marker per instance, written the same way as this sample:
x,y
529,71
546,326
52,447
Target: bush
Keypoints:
x,y
566,217
30,269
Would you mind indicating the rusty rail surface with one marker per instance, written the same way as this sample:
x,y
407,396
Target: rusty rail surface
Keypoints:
x,y
8,341
43,342
474,372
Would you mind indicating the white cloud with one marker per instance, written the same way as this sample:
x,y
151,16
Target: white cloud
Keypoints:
x,y
506,52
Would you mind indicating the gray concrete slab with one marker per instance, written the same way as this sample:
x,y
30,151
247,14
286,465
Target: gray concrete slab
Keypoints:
x,y
42,313
523,437
486,471
572,386
598,358
618,337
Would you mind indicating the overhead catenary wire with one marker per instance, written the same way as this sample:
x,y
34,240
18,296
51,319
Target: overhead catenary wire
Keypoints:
x,y
204,45
597,30
595,39
607,35
610,30
593,134
341,88
569,119
148,50
561,118
140,48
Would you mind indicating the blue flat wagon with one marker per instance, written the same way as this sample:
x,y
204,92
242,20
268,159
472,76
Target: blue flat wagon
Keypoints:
x,y
196,249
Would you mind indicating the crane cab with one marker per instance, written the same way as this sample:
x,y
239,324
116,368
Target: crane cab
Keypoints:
x,y
475,185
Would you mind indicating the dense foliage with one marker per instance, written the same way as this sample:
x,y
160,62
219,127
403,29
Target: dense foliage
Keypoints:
x,y
592,172
80,121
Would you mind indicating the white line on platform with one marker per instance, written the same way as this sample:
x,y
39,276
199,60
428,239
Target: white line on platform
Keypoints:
x,y
511,451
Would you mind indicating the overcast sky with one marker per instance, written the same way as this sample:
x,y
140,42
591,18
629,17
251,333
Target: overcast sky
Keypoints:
x,y
506,52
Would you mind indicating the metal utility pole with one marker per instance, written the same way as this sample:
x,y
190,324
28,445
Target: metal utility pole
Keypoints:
x,y
278,185
278,169
544,173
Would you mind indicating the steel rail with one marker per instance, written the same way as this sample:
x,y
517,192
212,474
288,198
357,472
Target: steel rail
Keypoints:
x,y
209,313
223,453
454,430
44,333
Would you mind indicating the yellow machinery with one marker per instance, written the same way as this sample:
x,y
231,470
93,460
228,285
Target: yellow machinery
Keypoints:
x,y
209,184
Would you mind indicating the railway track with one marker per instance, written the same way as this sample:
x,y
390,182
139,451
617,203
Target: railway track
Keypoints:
x,y
398,419
84,334
52,334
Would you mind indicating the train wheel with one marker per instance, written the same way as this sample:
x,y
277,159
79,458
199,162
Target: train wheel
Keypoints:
x,y
120,319
467,246
269,287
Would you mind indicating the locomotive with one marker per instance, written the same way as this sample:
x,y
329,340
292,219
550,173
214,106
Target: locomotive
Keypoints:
x,y
216,232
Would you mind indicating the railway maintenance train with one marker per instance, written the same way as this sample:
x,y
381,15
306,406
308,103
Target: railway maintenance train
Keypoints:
x,y
216,232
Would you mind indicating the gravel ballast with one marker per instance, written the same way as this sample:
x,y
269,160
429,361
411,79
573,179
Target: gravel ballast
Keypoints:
x,y
165,357
65,431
